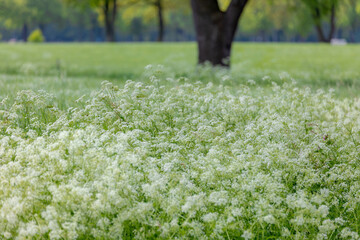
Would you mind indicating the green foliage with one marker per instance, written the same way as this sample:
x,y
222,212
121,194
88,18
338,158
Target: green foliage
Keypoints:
x,y
148,9
17,13
263,19
97,5
263,16
36,36
320,8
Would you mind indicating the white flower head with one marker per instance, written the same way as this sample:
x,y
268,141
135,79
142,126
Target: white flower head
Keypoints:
x,y
247,235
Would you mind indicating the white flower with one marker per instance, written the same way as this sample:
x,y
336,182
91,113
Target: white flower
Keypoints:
x,y
247,235
7,235
340,221
210,217
236,212
347,233
218,198
269,219
193,202
324,210
327,226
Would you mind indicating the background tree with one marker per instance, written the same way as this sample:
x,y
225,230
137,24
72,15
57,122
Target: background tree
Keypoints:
x,y
45,12
108,13
29,13
323,11
215,29
268,20
80,24
348,19
153,9
14,14
138,20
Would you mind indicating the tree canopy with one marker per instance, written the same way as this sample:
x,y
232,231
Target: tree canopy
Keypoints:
x,y
122,20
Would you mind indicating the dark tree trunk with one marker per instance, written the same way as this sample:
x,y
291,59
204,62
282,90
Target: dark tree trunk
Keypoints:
x,y
161,24
318,26
110,17
332,22
320,33
354,22
24,33
215,30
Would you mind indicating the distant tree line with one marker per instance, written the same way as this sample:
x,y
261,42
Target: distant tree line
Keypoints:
x,y
171,20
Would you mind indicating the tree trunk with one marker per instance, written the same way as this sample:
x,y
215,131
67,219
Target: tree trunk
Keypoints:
x,y
215,30
320,33
110,17
354,22
24,33
318,26
332,22
161,24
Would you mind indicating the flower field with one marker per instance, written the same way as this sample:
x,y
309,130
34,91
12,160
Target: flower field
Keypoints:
x,y
181,159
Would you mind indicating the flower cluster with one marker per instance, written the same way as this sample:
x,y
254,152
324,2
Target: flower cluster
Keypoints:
x,y
190,160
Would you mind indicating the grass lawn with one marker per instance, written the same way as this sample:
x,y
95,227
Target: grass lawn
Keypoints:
x,y
313,65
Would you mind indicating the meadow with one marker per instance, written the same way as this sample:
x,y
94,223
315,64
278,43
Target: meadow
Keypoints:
x,y
133,141
84,66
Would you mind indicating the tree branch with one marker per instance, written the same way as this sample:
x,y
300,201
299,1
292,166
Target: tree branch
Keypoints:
x,y
332,22
232,16
114,11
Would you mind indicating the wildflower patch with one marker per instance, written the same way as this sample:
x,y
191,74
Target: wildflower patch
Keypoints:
x,y
190,160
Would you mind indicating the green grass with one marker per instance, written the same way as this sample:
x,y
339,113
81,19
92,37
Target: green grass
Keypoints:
x,y
313,65
114,61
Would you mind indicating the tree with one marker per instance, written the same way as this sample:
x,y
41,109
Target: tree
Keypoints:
x,y
27,13
15,14
215,29
320,10
44,12
267,20
150,9
348,18
159,6
109,11
79,24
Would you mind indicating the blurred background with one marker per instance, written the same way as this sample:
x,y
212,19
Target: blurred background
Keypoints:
x,y
171,20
